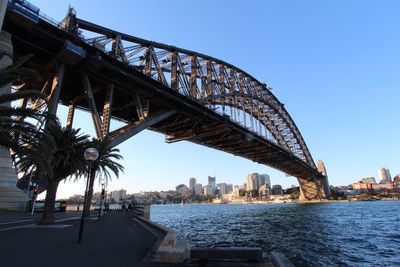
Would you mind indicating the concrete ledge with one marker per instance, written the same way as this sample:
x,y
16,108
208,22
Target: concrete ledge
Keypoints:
x,y
170,249
279,260
177,254
227,253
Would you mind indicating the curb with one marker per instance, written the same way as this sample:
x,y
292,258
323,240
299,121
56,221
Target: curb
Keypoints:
x,y
169,248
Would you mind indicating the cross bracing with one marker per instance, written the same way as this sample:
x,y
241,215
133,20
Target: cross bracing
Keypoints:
x,y
148,85
208,80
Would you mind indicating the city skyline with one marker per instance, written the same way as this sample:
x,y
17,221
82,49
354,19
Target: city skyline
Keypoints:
x,y
338,115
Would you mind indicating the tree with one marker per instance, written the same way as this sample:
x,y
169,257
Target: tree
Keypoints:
x,y
21,127
105,165
67,160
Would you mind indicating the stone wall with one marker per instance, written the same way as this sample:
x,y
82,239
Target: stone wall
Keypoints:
x,y
10,196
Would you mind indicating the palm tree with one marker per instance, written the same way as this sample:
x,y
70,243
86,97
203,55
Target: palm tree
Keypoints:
x,y
20,127
66,160
21,135
102,167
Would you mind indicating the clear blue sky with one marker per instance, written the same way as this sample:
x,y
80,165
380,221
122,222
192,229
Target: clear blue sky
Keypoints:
x,y
334,64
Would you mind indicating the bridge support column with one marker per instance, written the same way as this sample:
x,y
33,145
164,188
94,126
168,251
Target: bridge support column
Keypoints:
x,y
311,189
324,180
10,196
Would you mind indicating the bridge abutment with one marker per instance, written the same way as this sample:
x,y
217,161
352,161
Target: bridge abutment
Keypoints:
x,y
313,188
324,180
10,196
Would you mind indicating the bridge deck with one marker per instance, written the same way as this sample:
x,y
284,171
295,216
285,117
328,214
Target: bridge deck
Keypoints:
x,y
193,122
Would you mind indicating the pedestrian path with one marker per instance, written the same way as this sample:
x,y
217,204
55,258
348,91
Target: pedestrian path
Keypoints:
x,y
20,222
115,240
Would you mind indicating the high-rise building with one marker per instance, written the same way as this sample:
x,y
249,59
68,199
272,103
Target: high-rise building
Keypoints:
x,y
212,183
384,175
229,188
115,195
207,190
251,182
122,194
198,189
264,179
277,189
192,184
222,188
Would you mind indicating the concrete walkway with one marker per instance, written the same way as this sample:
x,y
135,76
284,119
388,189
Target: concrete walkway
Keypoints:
x,y
114,241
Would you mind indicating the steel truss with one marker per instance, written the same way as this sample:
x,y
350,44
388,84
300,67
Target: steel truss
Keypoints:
x,y
218,85
184,94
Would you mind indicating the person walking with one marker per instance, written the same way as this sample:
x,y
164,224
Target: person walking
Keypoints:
x,y
123,208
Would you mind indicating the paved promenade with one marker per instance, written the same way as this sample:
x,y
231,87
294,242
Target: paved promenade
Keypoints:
x,y
114,241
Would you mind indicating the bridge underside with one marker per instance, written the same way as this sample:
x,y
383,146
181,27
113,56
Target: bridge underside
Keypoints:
x,y
141,102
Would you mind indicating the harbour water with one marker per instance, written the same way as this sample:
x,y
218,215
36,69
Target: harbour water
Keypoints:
x,y
322,234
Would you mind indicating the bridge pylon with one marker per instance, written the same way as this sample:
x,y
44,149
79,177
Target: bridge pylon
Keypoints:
x,y
315,188
10,196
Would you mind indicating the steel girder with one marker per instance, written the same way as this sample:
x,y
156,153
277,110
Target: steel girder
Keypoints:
x,y
200,81
209,81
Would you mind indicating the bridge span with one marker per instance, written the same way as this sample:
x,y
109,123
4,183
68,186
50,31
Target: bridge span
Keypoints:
x,y
149,85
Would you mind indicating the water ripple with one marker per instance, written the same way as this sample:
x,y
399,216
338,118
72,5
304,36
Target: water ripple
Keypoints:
x,y
324,234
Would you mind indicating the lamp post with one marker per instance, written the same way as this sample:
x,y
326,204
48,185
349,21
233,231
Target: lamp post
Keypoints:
x,y
90,154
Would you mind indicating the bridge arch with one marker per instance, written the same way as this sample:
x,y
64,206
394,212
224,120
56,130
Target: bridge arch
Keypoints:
x,y
206,79
120,69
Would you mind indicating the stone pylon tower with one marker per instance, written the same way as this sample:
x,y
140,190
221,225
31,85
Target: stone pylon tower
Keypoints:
x,y
324,181
10,196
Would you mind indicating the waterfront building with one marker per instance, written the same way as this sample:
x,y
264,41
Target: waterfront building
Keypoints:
x,y
115,195
277,189
362,187
198,189
163,195
180,188
384,175
236,190
263,192
192,184
185,191
122,194
260,180
222,188
379,187
251,182
396,180
368,180
229,188
264,179
212,183
207,190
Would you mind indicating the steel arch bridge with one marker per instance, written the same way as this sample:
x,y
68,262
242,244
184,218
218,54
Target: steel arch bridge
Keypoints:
x,y
148,85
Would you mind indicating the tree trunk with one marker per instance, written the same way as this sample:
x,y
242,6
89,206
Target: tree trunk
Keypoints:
x,y
90,192
48,212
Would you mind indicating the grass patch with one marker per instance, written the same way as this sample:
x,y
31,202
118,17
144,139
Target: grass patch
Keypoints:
x,y
13,212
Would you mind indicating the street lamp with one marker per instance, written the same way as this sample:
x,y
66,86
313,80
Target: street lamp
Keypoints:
x,y
90,154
